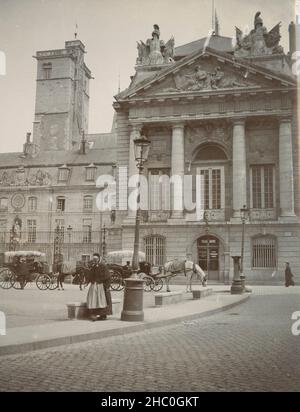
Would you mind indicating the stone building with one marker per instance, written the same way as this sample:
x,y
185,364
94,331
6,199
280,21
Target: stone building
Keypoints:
x,y
229,115
222,118
52,183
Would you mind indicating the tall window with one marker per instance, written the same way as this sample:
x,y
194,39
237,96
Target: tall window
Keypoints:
x,y
61,204
3,204
87,230
159,189
262,187
88,203
31,230
3,224
155,250
264,252
32,204
47,70
212,187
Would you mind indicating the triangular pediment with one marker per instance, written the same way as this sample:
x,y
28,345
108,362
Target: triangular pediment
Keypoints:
x,y
208,72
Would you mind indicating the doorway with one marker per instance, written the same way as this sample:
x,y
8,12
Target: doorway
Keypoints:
x,y
208,256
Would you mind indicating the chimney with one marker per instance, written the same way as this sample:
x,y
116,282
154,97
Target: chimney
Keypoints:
x,y
292,33
28,147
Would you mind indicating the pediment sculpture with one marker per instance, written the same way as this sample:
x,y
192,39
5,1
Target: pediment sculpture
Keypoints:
x,y
259,41
155,51
200,79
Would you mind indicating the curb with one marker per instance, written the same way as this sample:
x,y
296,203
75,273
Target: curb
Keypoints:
x,y
21,348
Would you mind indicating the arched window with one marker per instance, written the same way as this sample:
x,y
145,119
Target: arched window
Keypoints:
x,y
210,152
155,247
264,253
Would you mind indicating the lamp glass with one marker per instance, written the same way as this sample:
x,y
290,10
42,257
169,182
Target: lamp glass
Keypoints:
x,y
141,149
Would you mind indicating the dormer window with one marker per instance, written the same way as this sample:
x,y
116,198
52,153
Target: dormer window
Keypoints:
x,y
63,173
90,172
47,70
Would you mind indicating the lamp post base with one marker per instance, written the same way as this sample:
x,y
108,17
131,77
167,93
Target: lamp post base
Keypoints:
x,y
133,300
236,287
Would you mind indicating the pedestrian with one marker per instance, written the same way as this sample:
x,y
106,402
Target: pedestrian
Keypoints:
x,y
23,271
60,276
288,275
127,269
99,301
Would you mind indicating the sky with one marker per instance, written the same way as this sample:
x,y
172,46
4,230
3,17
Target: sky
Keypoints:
x,y
109,29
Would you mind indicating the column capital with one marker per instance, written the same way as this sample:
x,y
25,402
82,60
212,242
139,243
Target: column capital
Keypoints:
x,y
136,127
178,125
239,121
284,119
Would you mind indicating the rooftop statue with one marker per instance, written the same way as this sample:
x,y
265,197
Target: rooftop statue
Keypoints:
x,y
259,41
155,51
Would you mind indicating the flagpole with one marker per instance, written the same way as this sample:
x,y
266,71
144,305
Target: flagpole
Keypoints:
x,y
212,16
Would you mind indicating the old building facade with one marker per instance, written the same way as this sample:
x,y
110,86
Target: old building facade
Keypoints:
x,y
228,115
210,110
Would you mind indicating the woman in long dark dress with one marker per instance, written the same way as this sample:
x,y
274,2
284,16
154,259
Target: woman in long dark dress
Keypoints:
x,y
288,275
99,301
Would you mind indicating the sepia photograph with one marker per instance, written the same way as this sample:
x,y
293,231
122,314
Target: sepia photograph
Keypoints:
x,y
149,199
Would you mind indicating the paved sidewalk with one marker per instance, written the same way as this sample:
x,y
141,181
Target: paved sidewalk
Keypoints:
x,y
42,332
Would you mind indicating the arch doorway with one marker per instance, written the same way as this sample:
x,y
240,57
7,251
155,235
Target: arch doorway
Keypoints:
x,y
208,256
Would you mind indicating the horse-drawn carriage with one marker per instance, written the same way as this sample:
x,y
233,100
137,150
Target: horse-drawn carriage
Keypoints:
x,y
18,268
116,263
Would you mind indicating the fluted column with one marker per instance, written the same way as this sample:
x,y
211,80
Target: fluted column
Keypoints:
x,y
239,169
132,168
286,173
177,169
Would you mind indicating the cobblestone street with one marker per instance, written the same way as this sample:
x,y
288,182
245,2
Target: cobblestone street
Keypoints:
x,y
247,348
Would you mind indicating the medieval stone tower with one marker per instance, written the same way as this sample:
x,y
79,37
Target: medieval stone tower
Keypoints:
x,y
62,97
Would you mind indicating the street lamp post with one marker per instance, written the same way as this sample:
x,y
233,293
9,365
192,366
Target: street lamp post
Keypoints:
x,y
244,215
206,220
104,249
69,230
133,293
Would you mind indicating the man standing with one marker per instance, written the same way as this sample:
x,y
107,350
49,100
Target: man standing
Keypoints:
x,y
288,276
99,301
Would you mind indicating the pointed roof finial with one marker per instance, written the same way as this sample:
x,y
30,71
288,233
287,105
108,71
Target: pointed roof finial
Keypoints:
x,y
76,28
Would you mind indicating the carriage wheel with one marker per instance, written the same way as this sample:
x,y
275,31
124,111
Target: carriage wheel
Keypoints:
x,y
116,282
158,284
148,283
53,282
6,278
16,281
43,281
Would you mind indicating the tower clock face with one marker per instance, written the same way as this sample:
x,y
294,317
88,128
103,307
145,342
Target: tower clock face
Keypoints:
x,y
18,201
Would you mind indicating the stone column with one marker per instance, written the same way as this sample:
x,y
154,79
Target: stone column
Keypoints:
x,y
286,176
177,168
239,168
132,169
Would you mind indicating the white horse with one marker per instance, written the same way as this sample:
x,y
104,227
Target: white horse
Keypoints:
x,y
189,268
